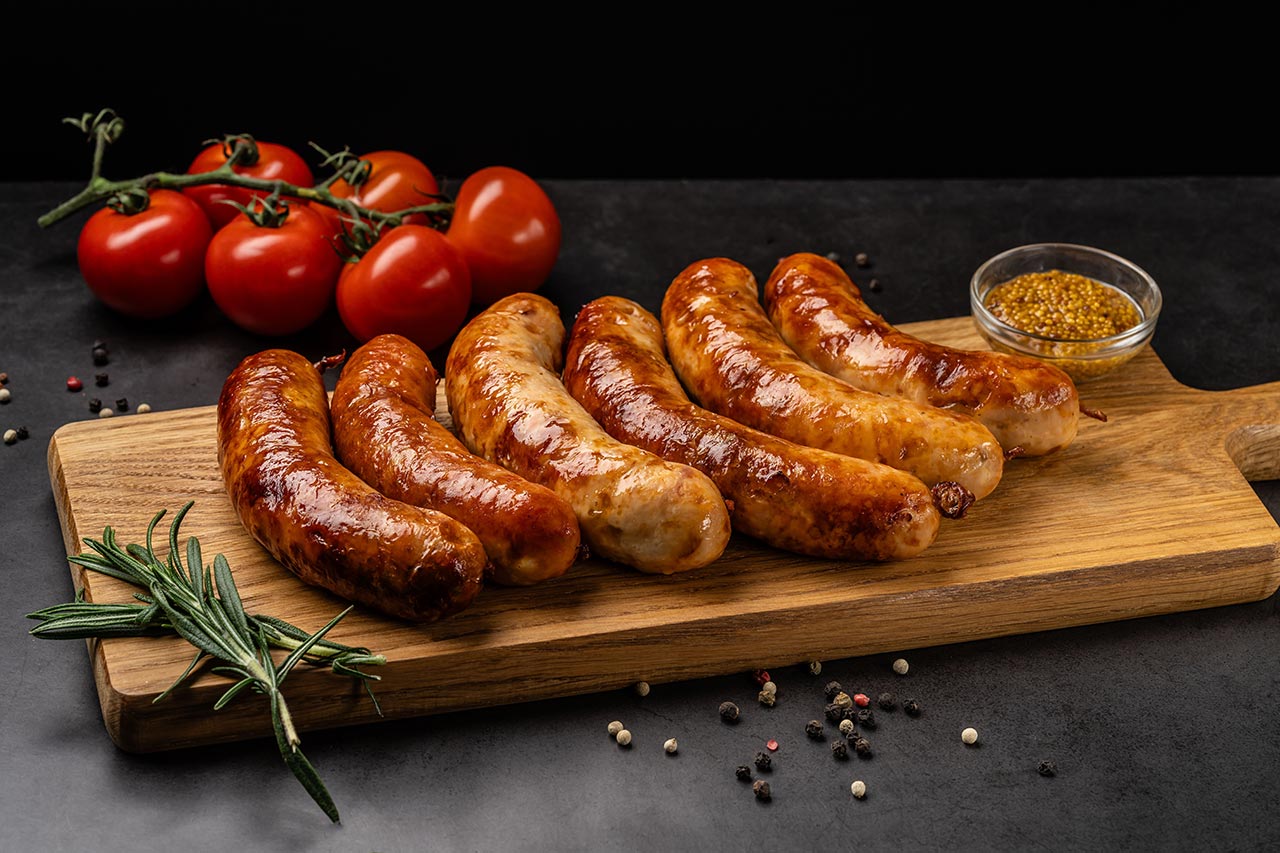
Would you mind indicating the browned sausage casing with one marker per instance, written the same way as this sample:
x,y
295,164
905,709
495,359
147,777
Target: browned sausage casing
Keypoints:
x,y
318,518
820,312
732,360
384,429
790,496
509,405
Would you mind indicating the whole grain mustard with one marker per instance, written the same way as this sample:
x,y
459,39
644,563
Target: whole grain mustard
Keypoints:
x,y
1062,306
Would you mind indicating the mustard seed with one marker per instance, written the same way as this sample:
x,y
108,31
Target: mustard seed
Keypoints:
x,y
1063,306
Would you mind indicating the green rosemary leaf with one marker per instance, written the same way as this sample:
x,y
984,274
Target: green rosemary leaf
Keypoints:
x,y
104,567
191,667
63,629
151,528
195,566
86,608
228,595
232,693
297,654
192,632
302,769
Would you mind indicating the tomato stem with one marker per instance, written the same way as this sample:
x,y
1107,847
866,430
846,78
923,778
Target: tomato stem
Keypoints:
x,y
106,127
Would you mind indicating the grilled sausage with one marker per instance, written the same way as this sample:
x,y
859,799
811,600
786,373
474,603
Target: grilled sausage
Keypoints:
x,y
732,360
318,518
509,406
1030,407
793,497
385,430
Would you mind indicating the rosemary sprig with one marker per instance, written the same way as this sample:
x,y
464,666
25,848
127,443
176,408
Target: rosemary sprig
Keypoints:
x,y
200,603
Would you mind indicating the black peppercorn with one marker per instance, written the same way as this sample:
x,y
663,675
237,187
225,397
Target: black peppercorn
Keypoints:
x,y
813,729
4,379
912,707
743,773
887,701
833,689
862,746
729,712
865,718
101,380
874,285
761,789
1047,768
862,259
763,761
840,748
834,712
122,404
100,355
95,405
23,433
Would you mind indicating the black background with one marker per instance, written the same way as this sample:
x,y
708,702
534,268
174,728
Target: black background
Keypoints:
x,y
652,92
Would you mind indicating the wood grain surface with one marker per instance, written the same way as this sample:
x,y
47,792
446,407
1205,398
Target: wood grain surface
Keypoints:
x,y
1150,512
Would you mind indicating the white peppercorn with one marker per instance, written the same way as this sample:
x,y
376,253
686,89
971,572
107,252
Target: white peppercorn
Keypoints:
x,y
615,727
859,788
901,666
969,735
623,737
671,746
642,688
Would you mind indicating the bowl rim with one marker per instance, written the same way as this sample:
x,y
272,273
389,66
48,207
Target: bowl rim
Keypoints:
x,y
1127,337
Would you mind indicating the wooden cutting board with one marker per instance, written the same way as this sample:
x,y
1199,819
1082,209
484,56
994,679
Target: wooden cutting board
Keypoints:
x,y
1150,512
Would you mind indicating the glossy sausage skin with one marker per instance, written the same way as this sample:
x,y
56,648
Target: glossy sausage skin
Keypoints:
x,y
385,430
318,518
731,359
796,498
510,406
1026,403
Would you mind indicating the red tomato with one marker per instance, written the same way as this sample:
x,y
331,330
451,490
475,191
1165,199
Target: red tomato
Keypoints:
x,y
148,264
396,181
275,163
412,282
273,280
507,230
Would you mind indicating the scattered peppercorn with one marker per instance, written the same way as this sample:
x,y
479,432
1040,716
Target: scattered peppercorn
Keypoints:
x,y
671,746
866,718
771,745
767,698
4,379
815,667
844,700
769,687
862,746
763,761
95,405
834,712
887,701
840,749
761,789
858,789
106,413
642,687
813,729
862,259
729,712
743,773
1047,768
761,676
969,735
101,380
623,737
901,666
861,700
832,690
846,727
122,404
23,433
143,408
100,355
912,707
11,436
615,727
74,384
833,256
874,285
5,395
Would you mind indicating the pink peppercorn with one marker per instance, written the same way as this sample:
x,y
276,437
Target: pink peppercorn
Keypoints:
x,y
74,384
861,700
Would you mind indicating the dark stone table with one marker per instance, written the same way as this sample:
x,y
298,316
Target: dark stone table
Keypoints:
x,y
1164,730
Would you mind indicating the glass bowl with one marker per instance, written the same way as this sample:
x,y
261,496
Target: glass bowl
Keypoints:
x,y
1082,359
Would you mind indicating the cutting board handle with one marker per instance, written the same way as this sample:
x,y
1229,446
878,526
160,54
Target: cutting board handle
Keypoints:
x,y
1253,439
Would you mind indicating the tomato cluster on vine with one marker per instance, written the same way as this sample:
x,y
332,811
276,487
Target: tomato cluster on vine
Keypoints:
x,y
378,240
